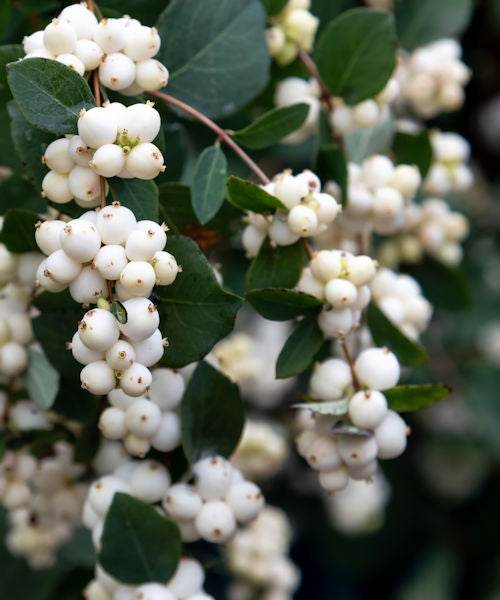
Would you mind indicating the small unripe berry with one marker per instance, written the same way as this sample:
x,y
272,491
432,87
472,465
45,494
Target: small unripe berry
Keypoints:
x,y
57,156
116,71
55,187
145,161
98,378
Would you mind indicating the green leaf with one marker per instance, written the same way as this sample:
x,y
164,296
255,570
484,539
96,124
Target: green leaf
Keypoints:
x,y
3,444
25,194
18,231
8,54
30,144
445,287
275,266
356,53
212,414
140,195
49,94
413,149
406,398
41,380
385,333
175,206
272,126
366,141
335,407
281,304
273,7
138,544
249,196
216,53
118,311
300,348
419,22
331,165
209,178
195,312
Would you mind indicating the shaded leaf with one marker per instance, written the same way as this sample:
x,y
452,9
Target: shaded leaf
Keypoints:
x,y
18,231
209,178
41,380
331,165
249,196
406,398
276,266
140,195
281,304
300,348
413,149
365,141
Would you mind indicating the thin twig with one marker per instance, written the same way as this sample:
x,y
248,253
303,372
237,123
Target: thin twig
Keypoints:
x,y
307,247
221,133
309,64
348,357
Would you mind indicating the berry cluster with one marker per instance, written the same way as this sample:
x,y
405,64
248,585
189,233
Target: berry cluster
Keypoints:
x,y
185,584
348,445
258,556
122,49
449,171
147,421
432,78
400,298
341,279
212,507
292,29
309,212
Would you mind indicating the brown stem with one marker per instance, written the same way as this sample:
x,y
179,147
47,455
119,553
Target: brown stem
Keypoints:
x,y
309,64
97,90
348,357
307,247
221,134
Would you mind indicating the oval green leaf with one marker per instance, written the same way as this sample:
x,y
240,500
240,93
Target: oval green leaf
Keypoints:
x,y
406,398
209,179
275,266
249,196
281,304
140,195
18,231
41,380
413,149
300,348
366,141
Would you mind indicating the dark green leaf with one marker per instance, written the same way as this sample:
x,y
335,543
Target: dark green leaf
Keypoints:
x,y
41,380
406,398
413,149
8,54
30,144
209,178
356,53
49,94
280,304
444,287
175,206
327,10
139,195
119,311
366,141
195,312
212,414
3,444
273,7
300,348
385,333
138,545
331,165
145,12
89,439
216,53
73,402
18,231
272,126
249,196
25,194
419,22
275,266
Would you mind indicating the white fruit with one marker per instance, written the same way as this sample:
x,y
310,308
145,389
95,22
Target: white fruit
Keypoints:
x,y
89,516
108,160
13,359
252,239
165,267
213,477
116,71
322,454
62,268
112,423
142,43
140,122
302,220
143,418
167,388
145,161
73,62
120,399
188,579
120,355
328,208
110,261
20,326
98,378
330,379
80,240
57,156
364,471
246,501
135,381
115,223
152,591
326,264
168,436
59,37
149,351
341,293
361,270
88,286
43,278
47,235
150,481
81,353
55,187
81,19
290,190
334,480
336,323
377,368
377,171
357,450
98,329
151,74
97,127
84,183
142,244
33,42
310,285
137,446
367,409
102,491
280,233
391,436
78,151
215,521
110,35
138,278
312,180
143,319
182,502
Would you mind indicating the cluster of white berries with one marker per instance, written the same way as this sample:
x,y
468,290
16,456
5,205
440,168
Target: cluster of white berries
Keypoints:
x,y
292,29
185,584
449,171
45,499
236,358
432,78
211,508
294,90
342,279
147,480
122,49
113,140
262,450
309,212
366,431
431,227
258,556
400,299
148,421
89,254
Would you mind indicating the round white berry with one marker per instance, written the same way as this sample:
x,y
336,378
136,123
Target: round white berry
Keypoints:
x,y
290,190
108,160
328,208
136,380
167,388
61,267
213,477
165,267
136,445
81,353
356,449
364,471
80,240
102,491
252,239
151,74
98,378
246,501
33,42
341,293
215,521
112,423
89,516
81,19
120,399
143,418
330,379
43,278
116,71
110,261
322,454
145,161
152,591
377,170
98,329
367,409
188,579
89,53
142,43
310,285
361,270
120,355
391,436
336,323
326,264
47,235
78,151
57,156
115,223
150,481
168,435
280,233
97,127
140,122
73,62
110,35
20,326
377,368
55,187
149,351
84,183
138,278
13,359
59,37
142,244
182,502
142,319
302,220
334,480
88,286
